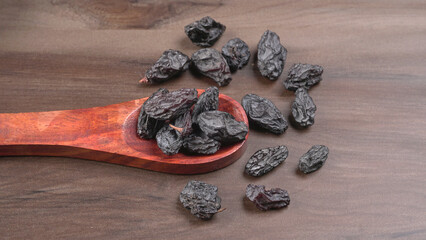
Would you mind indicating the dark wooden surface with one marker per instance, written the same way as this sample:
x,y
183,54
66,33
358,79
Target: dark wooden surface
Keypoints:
x,y
64,54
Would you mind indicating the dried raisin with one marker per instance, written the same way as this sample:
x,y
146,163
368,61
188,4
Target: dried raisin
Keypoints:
x,y
264,114
201,198
264,160
212,64
271,55
204,32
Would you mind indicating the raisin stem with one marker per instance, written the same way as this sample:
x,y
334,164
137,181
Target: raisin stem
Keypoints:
x,y
176,128
143,80
221,210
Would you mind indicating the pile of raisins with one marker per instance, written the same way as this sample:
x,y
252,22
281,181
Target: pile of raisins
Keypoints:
x,y
182,122
207,61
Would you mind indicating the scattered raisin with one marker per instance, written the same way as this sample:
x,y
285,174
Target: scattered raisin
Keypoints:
x,y
264,160
314,159
271,55
267,199
236,53
170,64
212,64
303,108
201,198
204,32
264,114
303,75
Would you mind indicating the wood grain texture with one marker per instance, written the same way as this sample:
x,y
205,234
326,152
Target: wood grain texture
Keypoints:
x,y
371,114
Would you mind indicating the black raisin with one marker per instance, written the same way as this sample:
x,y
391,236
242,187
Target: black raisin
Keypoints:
x,y
204,32
303,75
184,124
264,114
267,199
271,55
212,64
303,108
208,101
222,127
170,64
170,105
169,140
314,159
201,198
148,126
264,160
236,53
200,144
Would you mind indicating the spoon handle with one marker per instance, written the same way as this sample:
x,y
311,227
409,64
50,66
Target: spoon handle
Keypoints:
x,y
72,133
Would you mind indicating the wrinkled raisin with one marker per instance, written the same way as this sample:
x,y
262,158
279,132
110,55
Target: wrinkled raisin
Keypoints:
x,y
208,101
263,113
222,127
148,126
204,32
264,160
169,140
201,198
170,64
184,122
314,159
236,53
303,108
200,144
271,55
170,105
212,64
267,199
303,75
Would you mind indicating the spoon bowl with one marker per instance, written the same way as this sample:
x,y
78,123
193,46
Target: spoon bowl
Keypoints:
x,y
108,134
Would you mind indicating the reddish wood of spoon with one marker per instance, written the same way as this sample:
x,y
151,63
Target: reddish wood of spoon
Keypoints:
x,y
107,134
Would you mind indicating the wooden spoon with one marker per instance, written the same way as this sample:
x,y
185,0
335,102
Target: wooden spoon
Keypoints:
x,y
107,134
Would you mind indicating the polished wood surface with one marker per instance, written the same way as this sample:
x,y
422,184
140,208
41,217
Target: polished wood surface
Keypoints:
x,y
64,54
108,134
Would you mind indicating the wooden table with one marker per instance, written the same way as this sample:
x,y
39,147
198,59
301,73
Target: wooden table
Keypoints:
x,y
64,54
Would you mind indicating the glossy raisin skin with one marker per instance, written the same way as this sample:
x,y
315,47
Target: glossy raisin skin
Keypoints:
x,y
201,198
271,55
200,144
222,127
303,75
208,101
169,140
147,126
267,199
204,32
170,105
264,114
170,64
236,53
265,160
210,63
314,159
303,108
